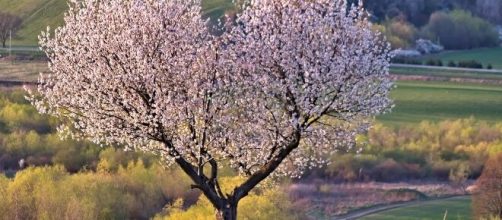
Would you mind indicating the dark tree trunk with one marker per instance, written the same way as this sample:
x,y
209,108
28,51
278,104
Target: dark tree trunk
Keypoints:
x,y
226,206
228,212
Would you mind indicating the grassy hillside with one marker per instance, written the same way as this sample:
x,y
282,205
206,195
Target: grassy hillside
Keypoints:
x,y
38,14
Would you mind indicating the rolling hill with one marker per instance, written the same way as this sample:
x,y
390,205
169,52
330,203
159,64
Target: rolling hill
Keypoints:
x,y
38,14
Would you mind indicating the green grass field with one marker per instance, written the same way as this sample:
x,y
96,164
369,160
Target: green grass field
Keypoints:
x,y
216,8
416,101
469,74
486,56
458,208
38,14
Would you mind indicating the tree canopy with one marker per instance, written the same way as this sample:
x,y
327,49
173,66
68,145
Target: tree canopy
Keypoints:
x,y
286,84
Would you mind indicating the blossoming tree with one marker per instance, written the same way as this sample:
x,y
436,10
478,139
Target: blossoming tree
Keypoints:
x,y
288,83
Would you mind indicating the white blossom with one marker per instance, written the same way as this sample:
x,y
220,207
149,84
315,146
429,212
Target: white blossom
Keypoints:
x,y
288,83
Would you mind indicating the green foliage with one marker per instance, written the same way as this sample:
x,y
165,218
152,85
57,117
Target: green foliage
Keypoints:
x,y
25,134
263,204
459,175
470,64
459,29
398,32
447,150
133,192
434,62
485,56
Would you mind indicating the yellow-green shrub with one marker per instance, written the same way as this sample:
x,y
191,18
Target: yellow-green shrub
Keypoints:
x,y
262,204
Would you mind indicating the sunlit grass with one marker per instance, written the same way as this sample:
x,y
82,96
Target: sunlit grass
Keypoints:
x,y
434,101
458,208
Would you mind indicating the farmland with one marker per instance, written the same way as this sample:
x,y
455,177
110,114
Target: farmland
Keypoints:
x,y
416,101
458,208
21,71
446,73
484,55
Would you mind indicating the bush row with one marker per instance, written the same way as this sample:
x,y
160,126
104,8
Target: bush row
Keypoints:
x,y
449,150
455,30
473,64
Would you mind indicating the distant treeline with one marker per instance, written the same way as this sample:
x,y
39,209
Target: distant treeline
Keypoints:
x,y
455,24
457,29
418,12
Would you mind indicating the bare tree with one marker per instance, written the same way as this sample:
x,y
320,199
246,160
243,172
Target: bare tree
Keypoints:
x,y
291,82
487,199
9,24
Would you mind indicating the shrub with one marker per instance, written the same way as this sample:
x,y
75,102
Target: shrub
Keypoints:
x,y
406,60
452,64
434,62
390,171
265,204
133,192
459,29
470,64
398,32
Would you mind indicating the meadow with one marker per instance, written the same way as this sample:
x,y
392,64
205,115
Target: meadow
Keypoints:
x,y
447,73
484,55
216,8
416,101
38,14
457,208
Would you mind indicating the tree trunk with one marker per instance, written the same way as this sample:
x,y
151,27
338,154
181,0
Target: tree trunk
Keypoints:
x,y
228,212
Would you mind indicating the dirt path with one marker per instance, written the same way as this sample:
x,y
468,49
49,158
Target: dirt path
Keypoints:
x,y
369,211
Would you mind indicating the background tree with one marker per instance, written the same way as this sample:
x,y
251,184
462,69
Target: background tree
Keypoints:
x,y
459,29
490,9
487,201
291,82
8,23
